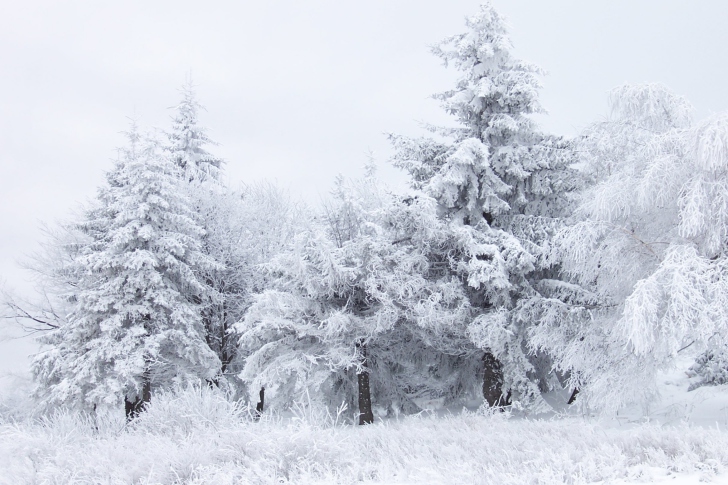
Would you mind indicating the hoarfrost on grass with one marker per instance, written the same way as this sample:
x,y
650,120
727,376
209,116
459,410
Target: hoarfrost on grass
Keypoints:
x,y
196,436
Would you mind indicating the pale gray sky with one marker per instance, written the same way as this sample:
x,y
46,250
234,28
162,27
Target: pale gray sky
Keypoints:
x,y
296,90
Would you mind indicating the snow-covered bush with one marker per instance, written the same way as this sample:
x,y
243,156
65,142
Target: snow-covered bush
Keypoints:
x,y
182,411
711,367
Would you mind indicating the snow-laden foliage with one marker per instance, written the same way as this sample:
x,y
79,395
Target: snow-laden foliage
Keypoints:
x,y
495,161
134,323
54,266
361,279
234,230
246,228
647,248
384,270
496,175
711,367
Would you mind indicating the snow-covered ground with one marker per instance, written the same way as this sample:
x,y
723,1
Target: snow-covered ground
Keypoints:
x,y
198,437
706,407
190,448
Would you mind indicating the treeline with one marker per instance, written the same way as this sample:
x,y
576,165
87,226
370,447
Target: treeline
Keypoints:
x,y
517,263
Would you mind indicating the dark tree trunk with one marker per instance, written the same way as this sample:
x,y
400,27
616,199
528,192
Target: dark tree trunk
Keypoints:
x,y
573,396
261,404
493,381
135,407
227,344
365,399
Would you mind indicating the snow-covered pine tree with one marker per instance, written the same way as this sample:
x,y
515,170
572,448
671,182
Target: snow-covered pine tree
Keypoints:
x,y
310,330
647,250
495,173
134,327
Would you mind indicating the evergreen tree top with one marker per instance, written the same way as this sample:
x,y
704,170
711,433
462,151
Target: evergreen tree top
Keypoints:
x,y
497,162
188,140
495,88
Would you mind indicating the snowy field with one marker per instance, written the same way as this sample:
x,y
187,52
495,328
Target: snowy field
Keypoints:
x,y
198,437
193,448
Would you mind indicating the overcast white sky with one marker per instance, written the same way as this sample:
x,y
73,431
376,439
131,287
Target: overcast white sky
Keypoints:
x,y
296,91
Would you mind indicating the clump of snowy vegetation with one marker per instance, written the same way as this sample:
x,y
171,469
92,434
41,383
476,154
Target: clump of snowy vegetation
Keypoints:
x,y
711,367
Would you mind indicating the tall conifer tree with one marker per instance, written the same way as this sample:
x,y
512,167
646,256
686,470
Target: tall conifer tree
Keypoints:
x,y
215,209
498,175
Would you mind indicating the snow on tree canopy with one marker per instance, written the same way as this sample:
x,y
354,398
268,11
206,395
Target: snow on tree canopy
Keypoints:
x,y
496,178
495,161
648,244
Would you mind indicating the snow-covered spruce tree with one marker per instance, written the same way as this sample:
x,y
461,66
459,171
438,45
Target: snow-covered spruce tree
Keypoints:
x,y
496,173
134,327
55,264
355,313
647,250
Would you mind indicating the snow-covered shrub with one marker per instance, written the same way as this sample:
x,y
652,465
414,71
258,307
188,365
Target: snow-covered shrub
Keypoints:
x,y
181,411
711,367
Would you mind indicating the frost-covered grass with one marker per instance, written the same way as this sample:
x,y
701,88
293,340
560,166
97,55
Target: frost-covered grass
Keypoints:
x,y
198,437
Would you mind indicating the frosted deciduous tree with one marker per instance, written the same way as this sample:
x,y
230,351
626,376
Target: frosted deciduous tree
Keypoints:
x,y
134,326
244,229
56,273
498,173
647,249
